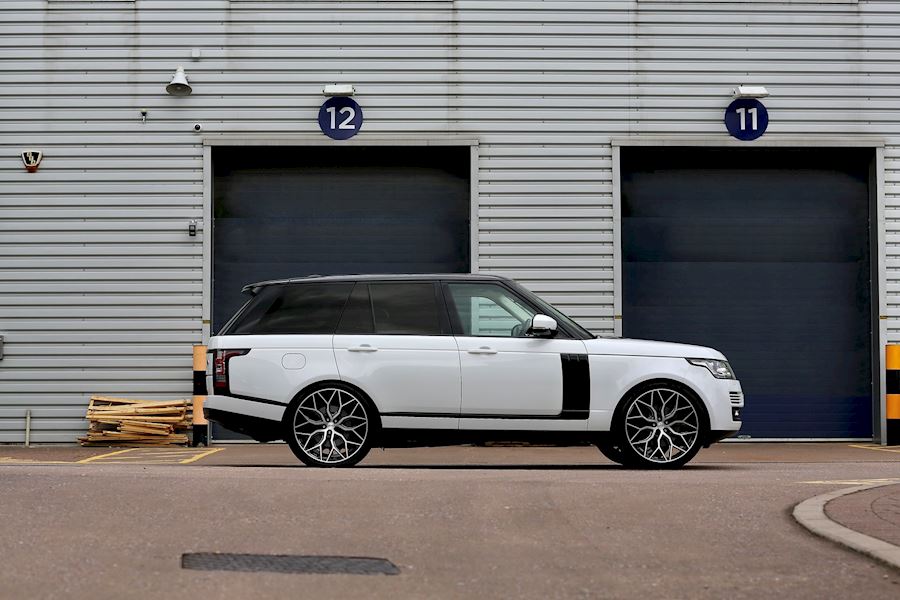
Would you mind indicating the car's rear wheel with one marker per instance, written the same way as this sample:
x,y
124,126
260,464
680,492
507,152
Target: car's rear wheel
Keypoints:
x,y
659,426
329,426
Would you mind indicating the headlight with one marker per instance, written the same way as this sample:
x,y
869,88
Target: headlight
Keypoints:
x,y
720,369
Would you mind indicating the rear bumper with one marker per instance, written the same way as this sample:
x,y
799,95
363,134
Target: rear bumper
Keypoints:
x,y
252,407
261,430
257,418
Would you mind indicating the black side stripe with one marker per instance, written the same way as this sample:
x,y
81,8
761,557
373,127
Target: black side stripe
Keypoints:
x,y
576,375
260,400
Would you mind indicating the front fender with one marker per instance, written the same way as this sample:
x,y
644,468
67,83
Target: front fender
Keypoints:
x,y
612,377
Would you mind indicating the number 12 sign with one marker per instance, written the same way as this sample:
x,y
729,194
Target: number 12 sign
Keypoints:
x,y
746,119
340,118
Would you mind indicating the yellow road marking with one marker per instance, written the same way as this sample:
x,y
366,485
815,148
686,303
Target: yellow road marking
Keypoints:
x,y
202,455
856,481
140,462
172,456
102,456
32,461
155,456
875,447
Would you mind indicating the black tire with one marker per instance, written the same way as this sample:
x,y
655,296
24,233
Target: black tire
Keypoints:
x,y
611,450
659,425
330,425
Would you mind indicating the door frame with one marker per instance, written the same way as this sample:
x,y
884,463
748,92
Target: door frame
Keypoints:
x,y
877,249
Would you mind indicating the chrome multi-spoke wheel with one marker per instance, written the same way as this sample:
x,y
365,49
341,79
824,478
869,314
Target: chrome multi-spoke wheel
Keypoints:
x,y
660,426
330,427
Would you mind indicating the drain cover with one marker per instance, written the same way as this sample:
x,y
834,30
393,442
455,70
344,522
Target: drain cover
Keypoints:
x,y
288,563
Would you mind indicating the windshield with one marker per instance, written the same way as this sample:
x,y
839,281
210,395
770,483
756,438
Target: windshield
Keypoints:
x,y
550,311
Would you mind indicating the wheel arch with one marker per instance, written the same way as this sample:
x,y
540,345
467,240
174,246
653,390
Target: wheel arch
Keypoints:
x,y
679,385
336,383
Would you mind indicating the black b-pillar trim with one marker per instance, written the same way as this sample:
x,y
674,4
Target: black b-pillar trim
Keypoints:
x,y
576,392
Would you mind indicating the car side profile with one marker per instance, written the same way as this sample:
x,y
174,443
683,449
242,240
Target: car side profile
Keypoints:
x,y
337,365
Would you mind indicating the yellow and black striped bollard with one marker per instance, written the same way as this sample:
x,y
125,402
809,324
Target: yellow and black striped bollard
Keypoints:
x,y
201,425
892,394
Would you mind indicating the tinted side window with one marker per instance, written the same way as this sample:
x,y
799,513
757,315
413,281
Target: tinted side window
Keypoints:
x,y
357,317
298,308
405,308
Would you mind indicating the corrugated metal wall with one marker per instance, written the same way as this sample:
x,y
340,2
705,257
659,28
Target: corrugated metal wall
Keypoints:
x,y
101,286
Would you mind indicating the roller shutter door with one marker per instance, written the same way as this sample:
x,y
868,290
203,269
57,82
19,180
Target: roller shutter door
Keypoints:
x,y
764,255
284,212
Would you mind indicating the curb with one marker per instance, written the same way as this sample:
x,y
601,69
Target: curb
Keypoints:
x,y
811,515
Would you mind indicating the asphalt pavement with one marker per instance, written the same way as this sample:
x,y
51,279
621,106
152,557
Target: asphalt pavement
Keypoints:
x,y
485,522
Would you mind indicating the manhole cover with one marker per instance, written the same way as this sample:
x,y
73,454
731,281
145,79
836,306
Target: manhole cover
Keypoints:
x,y
288,563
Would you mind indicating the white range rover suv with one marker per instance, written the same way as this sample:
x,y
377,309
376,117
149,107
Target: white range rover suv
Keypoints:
x,y
336,365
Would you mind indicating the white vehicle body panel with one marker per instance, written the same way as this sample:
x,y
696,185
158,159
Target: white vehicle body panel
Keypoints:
x,y
402,373
513,376
613,376
274,369
638,348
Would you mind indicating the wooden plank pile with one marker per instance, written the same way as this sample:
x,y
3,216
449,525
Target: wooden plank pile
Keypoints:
x,y
127,422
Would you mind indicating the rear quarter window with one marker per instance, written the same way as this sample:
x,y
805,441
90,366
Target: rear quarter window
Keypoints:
x,y
305,308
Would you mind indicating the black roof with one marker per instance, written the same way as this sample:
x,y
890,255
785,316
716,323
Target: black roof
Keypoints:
x,y
385,277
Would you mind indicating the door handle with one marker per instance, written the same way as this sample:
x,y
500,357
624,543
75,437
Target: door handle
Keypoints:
x,y
362,348
482,350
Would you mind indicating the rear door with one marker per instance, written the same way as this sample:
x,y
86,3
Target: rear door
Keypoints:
x,y
394,342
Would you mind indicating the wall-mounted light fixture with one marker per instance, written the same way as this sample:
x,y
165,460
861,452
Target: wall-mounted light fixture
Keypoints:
x,y
339,89
179,85
750,91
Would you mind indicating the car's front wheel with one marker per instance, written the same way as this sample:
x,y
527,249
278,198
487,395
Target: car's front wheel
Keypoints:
x,y
329,426
659,426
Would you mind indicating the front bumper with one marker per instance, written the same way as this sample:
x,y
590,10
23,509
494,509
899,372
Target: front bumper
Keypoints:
x,y
725,403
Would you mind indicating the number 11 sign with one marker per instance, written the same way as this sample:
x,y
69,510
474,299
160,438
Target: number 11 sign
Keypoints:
x,y
746,119
340,118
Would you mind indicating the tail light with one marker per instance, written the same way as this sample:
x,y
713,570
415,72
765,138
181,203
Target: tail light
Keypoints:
x,y
220,368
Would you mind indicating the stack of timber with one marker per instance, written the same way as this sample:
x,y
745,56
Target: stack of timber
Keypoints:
x,y
127,422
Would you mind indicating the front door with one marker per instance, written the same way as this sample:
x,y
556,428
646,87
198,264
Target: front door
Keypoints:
x,y
505,372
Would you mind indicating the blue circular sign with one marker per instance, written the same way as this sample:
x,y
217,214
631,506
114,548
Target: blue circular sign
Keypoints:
x,y
746,119
340,118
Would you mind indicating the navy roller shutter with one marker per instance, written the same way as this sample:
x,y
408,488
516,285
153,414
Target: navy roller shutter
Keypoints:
x,y
763,254
282,212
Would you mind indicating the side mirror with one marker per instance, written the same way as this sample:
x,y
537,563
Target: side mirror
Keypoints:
x,y
542,326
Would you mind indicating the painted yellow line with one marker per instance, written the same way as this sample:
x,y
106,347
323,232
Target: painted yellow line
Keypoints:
x,y
133,458
5,460
143,456
895,449
154,456
102,456
855,481
141,462
202,455
179,456
169,452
